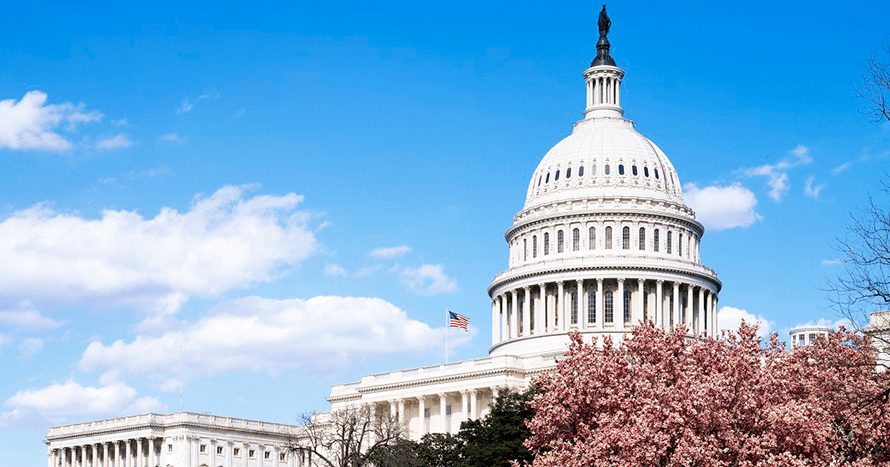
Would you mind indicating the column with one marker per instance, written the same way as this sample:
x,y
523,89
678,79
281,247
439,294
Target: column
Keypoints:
x,y
641,289
559,321
421,407
261,454
659,303
714,315
701,310
540,310
473,409
401,407
526,310
689,307
96,448
211,446
619,301
495,322
83,456
676,308
51,457
582,305
514,300
372,418
710,330
230,453
464,402
443,421
392,409
600,305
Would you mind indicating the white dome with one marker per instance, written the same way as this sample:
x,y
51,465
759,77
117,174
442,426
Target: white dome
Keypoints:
x,y
576,167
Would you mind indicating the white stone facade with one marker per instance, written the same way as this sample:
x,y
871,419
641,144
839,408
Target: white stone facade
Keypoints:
x,y
806,335
173,440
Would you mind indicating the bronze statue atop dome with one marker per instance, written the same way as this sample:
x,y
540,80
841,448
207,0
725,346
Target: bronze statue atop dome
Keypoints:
x,y
604,23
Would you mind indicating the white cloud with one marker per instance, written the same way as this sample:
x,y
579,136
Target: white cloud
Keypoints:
x,y
389,252
60,402
832,262
121,122
173,137
721,208
117,142
366,271
827,322
812,190
31,123
26,316
30,347
729,318
334,270
776,174
184,107
223,241
842,168
254,333
4,339
187,106
428,279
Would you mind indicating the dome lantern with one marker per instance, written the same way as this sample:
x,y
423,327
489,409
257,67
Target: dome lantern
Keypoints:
x,y
603,77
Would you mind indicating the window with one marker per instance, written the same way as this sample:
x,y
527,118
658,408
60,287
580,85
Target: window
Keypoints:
x,y
680,244
557,176
655,240
642,238
608,299
282,457
236,451
591,238
646,171
594,170
575,307
539,180
547,180
633,169
203,448
581,171
620,169
656,174
447,410
627,304
219,449
426,412
576,239
569,172
546,243
668,247
608,238
812,338
559,241
625,238
469,407
524,249
535,246
169,448
266,455
607,169
531,314
250,453
645,304
591,306
520,303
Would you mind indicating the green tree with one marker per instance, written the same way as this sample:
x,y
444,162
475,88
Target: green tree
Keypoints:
x,y
497,439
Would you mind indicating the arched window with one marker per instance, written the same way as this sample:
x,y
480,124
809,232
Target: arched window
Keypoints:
x,y
609,310
625,238
668,247
591,306
680,244
656,174
557,176
581,171
646,171
524,249
627,304
576,239
655,240
620,169
642,238
575,307
521,304
534,246
559,241
546,243
539,180
607,169
591,238
608,238
683,308
569,172
531,314
547,180
634,170
645,304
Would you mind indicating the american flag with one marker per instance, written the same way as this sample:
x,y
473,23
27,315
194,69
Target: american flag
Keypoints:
x,y
456,320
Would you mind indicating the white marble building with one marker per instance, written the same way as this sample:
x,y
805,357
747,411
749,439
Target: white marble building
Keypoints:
x,y
806,335
603,242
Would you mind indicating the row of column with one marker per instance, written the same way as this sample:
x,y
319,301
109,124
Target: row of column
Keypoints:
x,y
228,455
531,310
469,409
603,90
107,454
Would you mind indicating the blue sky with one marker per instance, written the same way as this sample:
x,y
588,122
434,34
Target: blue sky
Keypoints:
x,y
264,192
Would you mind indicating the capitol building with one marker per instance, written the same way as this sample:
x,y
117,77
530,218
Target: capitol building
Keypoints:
x,y
603,242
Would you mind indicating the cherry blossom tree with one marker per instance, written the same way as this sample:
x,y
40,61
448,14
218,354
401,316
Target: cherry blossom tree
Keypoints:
x,y
661,399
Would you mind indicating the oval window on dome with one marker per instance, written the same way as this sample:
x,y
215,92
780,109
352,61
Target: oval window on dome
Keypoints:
x,y
557,176
656,173
547,180
646,171
634,170
581,171
569,172
606,169
539,180
620,169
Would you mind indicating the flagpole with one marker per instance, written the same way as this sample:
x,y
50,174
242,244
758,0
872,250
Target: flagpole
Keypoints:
x,y
446,335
